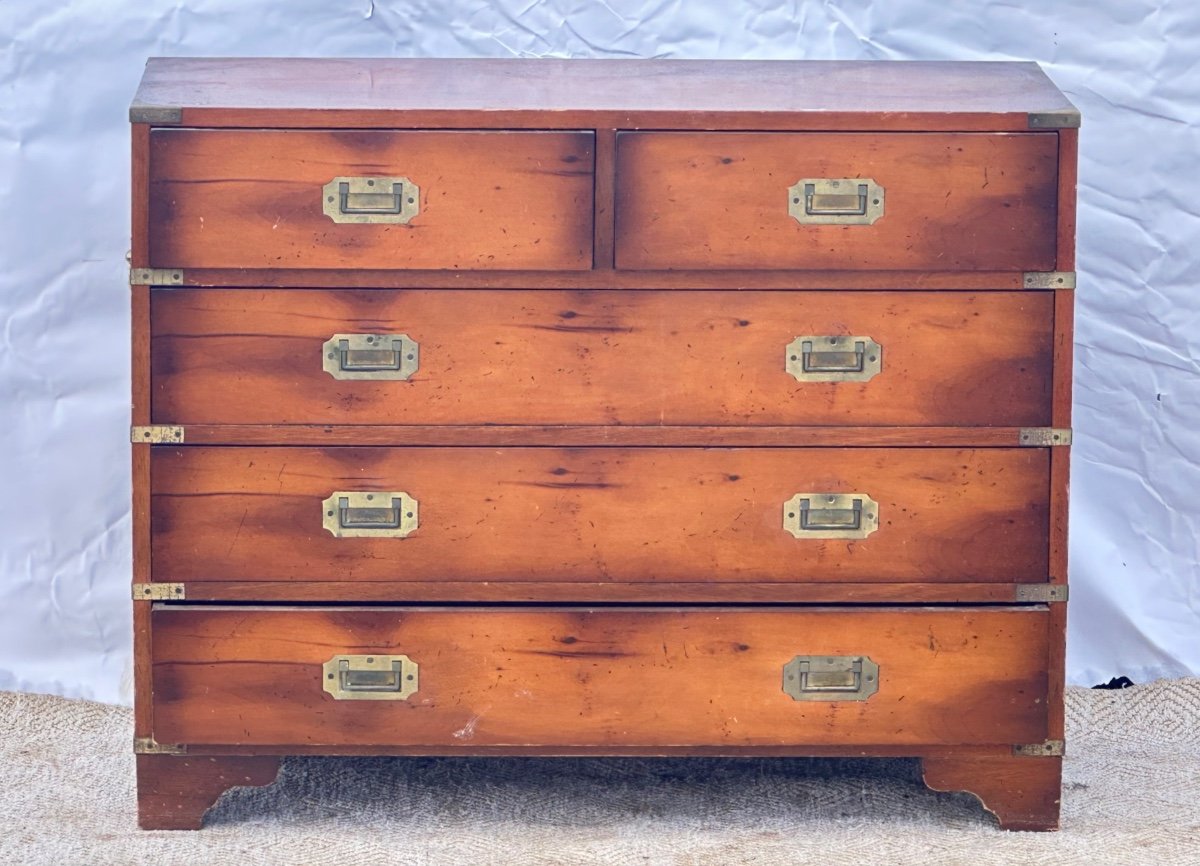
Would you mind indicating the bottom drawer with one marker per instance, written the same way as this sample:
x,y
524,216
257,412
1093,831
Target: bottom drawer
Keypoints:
x,y
604,677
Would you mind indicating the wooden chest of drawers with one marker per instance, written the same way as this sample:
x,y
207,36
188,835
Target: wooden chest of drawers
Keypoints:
x,y
594,407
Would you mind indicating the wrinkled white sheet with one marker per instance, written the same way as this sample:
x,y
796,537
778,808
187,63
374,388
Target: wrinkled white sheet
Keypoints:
x,y
68,70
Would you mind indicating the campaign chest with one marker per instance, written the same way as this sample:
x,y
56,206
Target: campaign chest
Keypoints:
x,y
540,407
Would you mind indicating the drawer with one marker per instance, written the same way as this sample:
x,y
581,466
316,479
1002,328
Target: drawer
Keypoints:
x,y
599,514
550,357
946,201
275,199
599,677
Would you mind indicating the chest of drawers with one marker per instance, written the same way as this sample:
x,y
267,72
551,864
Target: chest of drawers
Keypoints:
x,y
605,408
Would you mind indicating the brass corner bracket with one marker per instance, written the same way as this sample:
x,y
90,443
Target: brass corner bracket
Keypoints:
x,y
147,746
1048,279
155,277
155,115
159,592
1044,437
1047,749
1042,593
1065,118
156,434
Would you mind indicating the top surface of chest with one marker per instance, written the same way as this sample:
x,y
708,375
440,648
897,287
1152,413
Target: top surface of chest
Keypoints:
x,y
551,93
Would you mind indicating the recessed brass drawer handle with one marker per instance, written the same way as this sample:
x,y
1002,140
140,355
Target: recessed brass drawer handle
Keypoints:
x,y
830,678
370,678
833,359
370,356
358,514
371,199
845,201
831,515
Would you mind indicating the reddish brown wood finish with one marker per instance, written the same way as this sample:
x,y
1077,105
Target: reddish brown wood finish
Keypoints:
x,y
175,791
697,591
611,436
140,366
1013,672
546,93
578,677
1060,485
632,281
605,208
1068,175
609,514
489,200
1023,793
602,358
952,202
726,751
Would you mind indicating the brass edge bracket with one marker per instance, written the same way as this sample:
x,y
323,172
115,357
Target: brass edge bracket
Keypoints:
x,y
147,746
155,277
1042,437
1043,593
156,115
156,434
1048,279
1048,749
159,592
1066,118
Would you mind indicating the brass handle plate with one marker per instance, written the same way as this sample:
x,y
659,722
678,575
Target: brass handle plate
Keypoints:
x,y
830,678
841,201
371,200
833,359
370,356
361,514
370,678
831,515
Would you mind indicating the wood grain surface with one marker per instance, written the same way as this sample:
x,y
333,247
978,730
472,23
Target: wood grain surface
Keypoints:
x,y
1023,793
569,436
602,358
699,591
632,281
613,514
952,201
174,791
549,92
253,199
621,677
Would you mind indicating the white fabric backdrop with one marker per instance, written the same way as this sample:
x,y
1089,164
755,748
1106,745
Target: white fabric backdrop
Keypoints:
x,y
68,70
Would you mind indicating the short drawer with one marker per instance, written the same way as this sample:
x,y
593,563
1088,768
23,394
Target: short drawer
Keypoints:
x,y
549,357
599,514
903,201
574,677
372,199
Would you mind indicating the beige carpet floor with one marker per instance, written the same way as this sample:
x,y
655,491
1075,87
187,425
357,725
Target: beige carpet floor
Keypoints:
x,y
1131,797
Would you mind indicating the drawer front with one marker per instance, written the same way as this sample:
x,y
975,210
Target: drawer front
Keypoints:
x,y
599,514
616,677
649,358
262,199
955,201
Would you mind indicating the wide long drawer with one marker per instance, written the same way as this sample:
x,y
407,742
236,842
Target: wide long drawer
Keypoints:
x,y
379,199
599,514
604,357
837,201
574,677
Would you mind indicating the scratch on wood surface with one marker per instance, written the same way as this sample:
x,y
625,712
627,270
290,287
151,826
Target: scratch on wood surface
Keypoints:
x,y
467,731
